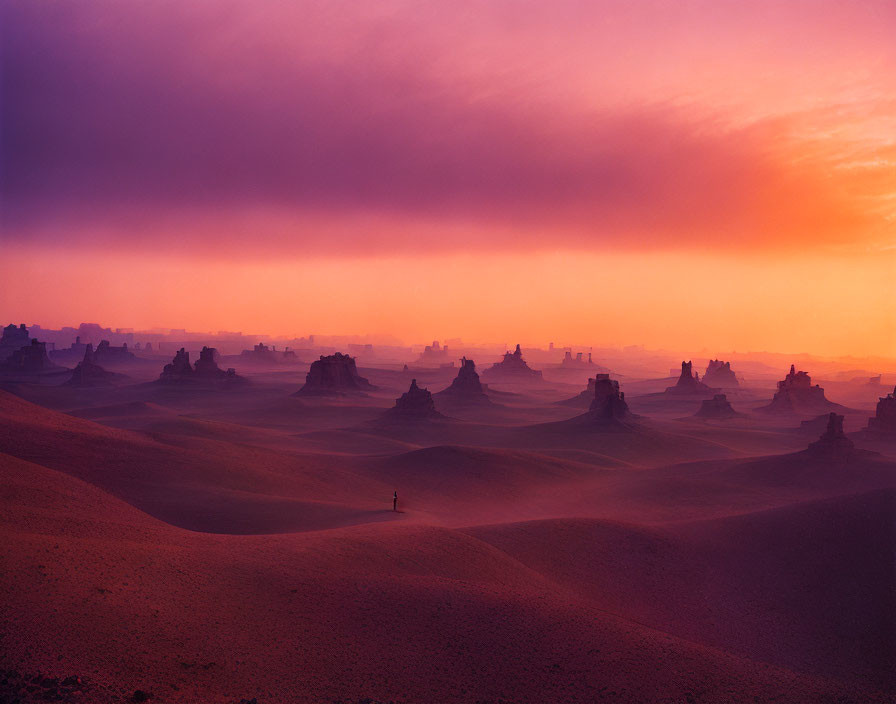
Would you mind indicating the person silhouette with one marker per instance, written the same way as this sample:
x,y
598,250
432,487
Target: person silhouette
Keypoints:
x,y
395,501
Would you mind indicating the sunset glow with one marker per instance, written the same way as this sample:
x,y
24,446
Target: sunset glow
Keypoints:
x,y
659,173
458,351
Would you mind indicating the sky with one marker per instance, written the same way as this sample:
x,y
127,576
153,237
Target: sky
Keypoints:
x,y
709,174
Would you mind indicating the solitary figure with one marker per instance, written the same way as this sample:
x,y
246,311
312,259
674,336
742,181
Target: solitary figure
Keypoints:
x,y
395,501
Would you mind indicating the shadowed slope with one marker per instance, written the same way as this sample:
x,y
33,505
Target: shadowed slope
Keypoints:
x,y
212,485
92,586
809,586
458,485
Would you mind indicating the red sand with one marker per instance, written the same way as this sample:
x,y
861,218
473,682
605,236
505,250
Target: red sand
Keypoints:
x,y
786,595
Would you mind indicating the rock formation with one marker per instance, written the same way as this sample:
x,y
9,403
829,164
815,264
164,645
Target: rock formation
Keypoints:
x,y
89,373
719,374
206,368
577,362
466,388
884,420
179,369
512,368
109,354
415,404
833,442
13,339
689,383
433,353
29,359
71,355
609,403
796,395
262,354
334,374
716,407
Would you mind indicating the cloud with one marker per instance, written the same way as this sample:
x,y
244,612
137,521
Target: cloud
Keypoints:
x,y
184,126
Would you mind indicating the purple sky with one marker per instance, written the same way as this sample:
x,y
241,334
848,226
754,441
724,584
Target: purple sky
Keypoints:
x,y
500,124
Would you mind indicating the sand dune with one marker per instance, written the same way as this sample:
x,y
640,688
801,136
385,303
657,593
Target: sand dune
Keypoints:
x,y
214,547
402,613
808,586
209,485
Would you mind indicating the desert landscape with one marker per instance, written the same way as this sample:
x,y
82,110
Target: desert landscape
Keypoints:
x,y
188,533
447,352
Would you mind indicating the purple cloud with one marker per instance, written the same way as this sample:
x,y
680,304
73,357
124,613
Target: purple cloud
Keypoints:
x,y
148,117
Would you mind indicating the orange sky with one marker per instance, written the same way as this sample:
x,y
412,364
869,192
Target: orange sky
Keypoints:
x,y
685,301
720,175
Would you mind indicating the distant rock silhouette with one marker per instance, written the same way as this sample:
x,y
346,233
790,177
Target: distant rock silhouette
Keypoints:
x,y
719,374
89,373
607,412
512,368
689,383
716,407
205,370
466,388
30,359
578,362
796,395
884,419
415,404
433,354
13,339
334,374
262,354
109,354
206,367
609,403
179,369
833,443
70,355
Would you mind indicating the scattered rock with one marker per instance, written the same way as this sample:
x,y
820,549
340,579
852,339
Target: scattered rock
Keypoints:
x,y
884,419
717,407
334,374
179,369
609,403
262,354
415,404
207,365
13,339
433,354
578,362
206,368
797,395
689,383
89,373
109,354
466,388
833,442
718,373
30,359
512,368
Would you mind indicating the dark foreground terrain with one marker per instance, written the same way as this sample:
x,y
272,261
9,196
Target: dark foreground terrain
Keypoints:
x,y
234,544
